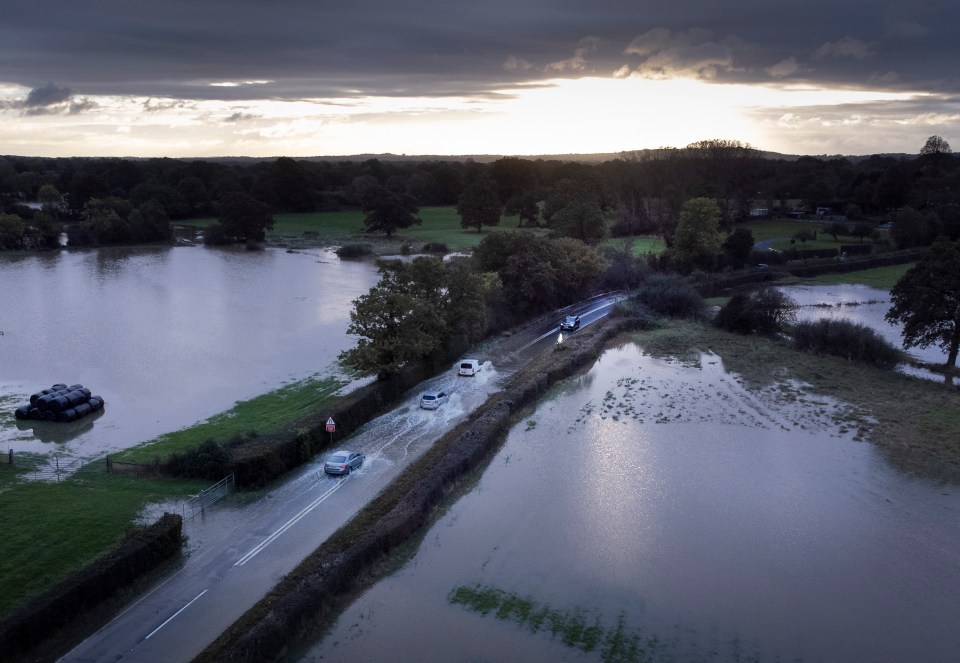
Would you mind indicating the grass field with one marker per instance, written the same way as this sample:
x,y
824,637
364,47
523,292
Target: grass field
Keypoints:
x,y
272,412
782,230
440,224
51,530
883,278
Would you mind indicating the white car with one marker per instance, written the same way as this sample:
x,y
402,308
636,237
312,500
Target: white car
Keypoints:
x,y
469,367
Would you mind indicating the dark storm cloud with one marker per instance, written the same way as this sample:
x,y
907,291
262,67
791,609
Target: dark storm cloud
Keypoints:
x,y
48,95
49,99
291,49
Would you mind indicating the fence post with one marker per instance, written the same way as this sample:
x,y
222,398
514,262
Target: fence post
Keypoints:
x,y
109,464
11,457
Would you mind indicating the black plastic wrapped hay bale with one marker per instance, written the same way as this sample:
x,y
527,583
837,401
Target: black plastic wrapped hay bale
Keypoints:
x,y
76,397
83,410
60,403
37,396
45,402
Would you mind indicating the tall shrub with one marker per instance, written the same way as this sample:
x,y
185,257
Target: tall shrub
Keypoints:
x,y
847,339
671,295
763,311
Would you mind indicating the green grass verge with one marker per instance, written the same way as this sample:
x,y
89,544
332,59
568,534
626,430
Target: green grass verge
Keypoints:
x,y
273,412
51,530
883,278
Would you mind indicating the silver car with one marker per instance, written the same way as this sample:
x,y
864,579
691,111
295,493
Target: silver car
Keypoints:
x,y
433,399
343,462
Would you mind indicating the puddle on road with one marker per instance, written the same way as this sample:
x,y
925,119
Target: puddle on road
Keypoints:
x,y
664,511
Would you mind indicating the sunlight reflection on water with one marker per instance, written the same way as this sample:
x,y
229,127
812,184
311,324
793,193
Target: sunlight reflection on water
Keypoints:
x,y
633,494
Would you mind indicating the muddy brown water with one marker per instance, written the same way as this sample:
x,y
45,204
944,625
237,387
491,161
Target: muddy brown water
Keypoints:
x,y
686,517
168,336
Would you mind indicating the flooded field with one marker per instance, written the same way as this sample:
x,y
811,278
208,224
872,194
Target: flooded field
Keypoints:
x,y
658,511
861,304
168,336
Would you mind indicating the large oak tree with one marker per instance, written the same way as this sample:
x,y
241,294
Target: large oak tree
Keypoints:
x,y
926,300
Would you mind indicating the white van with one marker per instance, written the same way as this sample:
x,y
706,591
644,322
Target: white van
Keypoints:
x,y
469,367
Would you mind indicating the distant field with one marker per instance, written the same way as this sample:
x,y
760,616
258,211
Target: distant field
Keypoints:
x,y
639,245
782,230
882,278
440,224
776,228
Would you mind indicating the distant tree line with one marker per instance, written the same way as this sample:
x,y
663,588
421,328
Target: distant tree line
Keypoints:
x,y
638,193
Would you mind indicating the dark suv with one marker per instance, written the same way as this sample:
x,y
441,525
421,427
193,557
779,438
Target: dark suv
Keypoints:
x,y
570,323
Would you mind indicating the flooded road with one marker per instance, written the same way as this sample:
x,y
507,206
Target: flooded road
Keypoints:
x,y
657,511
239,550
168,336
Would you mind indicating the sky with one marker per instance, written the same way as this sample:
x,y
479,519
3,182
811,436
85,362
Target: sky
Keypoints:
x,y
267,78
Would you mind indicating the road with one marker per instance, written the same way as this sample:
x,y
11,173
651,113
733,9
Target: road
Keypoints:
x,y
238,551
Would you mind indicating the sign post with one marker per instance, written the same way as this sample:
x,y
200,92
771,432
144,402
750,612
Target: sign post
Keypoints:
x,y
331,427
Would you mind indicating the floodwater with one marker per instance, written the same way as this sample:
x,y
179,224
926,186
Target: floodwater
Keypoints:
x,y
860,304
681,515
168,336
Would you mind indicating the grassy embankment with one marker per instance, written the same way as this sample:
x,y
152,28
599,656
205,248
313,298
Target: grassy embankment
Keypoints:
x,y
440,224
274,412
51,530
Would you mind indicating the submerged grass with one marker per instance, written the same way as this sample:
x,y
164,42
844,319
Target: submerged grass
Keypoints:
x,y
268,413
586,632
51,530
915,422
571,627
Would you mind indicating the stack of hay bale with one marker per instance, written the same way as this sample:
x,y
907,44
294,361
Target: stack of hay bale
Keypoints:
x,y
60,403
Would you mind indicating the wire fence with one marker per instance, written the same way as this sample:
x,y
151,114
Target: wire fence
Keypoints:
x,y
58,467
